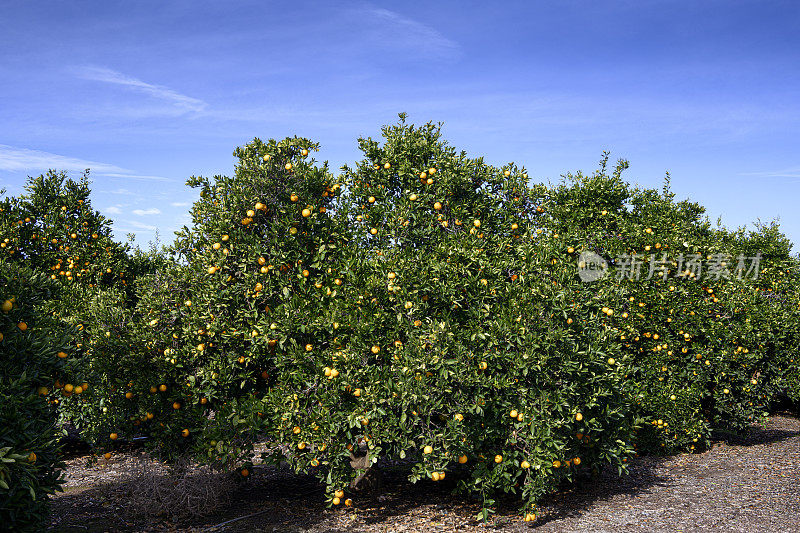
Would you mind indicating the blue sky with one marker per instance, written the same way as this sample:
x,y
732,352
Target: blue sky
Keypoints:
x,y
147,93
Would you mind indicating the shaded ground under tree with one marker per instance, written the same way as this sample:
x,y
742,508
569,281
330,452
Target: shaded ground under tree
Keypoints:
x,y
749,483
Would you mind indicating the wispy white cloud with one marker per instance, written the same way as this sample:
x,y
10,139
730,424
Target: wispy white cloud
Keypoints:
x,y
395,30
14,159
133,176
179,204
791,173
22,159
138,225
121,191
145,212
176,99
113,210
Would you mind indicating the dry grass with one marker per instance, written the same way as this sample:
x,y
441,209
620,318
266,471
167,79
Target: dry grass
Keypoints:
x,y
177,493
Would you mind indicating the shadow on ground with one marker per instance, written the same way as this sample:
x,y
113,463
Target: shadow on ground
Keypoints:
x,y
756,434
279,500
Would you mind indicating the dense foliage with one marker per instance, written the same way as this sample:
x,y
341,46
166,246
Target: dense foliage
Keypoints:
x,y
33,349
422,305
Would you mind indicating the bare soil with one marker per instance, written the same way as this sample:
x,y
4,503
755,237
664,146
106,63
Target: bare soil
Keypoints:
x,y
741,484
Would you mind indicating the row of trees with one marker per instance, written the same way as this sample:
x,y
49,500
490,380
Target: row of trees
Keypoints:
x,y
420,305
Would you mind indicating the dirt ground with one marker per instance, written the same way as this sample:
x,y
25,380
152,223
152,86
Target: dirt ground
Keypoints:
x,y
740,485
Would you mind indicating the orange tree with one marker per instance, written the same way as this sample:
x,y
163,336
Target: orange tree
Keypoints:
x,y
56,232
60,234
33,350
456,349
237,320
769,311
682,315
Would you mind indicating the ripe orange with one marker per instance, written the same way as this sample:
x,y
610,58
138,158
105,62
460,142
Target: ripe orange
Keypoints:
x,y
22,326
113,436
185,433
245,472
498,458
427,449
61,355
